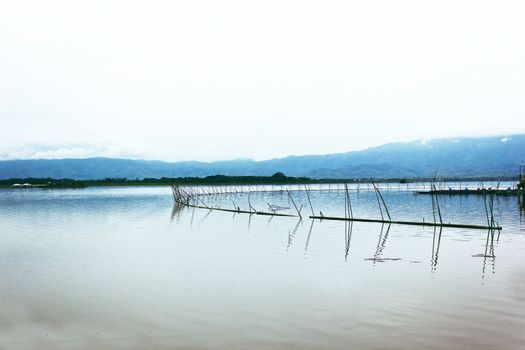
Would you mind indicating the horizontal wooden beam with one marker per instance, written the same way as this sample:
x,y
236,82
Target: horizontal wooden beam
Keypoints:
x,y
236,211
413,223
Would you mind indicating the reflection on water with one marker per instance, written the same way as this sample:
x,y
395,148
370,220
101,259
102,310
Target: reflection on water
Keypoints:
x,y
126,269
381,244
291,234
436,243
349,226
489,253
177,209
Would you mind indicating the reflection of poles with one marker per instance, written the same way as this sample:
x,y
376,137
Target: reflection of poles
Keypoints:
x,y
308,238
348,225
435,248
205,216
348,236
489,253
291,234
177,209
381,243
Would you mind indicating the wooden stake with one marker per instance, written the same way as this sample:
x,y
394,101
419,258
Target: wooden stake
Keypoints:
x,y
293,202
309,201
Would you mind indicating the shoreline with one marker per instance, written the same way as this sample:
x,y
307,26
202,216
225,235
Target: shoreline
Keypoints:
x,y
35,183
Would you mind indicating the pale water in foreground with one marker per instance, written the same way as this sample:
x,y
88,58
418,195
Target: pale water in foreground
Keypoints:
x,y
120,268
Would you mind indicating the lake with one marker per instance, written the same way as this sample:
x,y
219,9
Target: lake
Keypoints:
x,y
123,268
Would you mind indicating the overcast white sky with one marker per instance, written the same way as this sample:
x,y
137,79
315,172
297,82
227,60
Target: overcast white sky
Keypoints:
x,y
210,80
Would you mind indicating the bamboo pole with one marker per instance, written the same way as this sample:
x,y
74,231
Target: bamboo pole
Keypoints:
x,y
189,196
399,222
384,204
309,201
379,204
293,202
348,202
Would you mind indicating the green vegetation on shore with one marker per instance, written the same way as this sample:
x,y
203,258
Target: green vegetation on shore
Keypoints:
x,y
276,179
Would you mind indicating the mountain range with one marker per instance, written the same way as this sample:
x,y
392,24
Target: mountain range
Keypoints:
x,y
451,157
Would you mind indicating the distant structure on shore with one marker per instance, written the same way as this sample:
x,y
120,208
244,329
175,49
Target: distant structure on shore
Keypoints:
x,y
25,185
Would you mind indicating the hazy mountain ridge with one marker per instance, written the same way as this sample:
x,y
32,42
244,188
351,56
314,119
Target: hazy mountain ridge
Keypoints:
x,y
484,156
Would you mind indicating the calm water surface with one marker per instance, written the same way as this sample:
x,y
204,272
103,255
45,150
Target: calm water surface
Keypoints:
x,y
121,268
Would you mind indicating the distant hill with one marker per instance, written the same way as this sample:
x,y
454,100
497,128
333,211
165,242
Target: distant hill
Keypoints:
x,y
465,157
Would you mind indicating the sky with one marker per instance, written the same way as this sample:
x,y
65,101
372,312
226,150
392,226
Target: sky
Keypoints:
x,y
214,80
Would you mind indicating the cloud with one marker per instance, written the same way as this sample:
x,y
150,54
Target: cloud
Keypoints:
x,y
70,150
188,77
